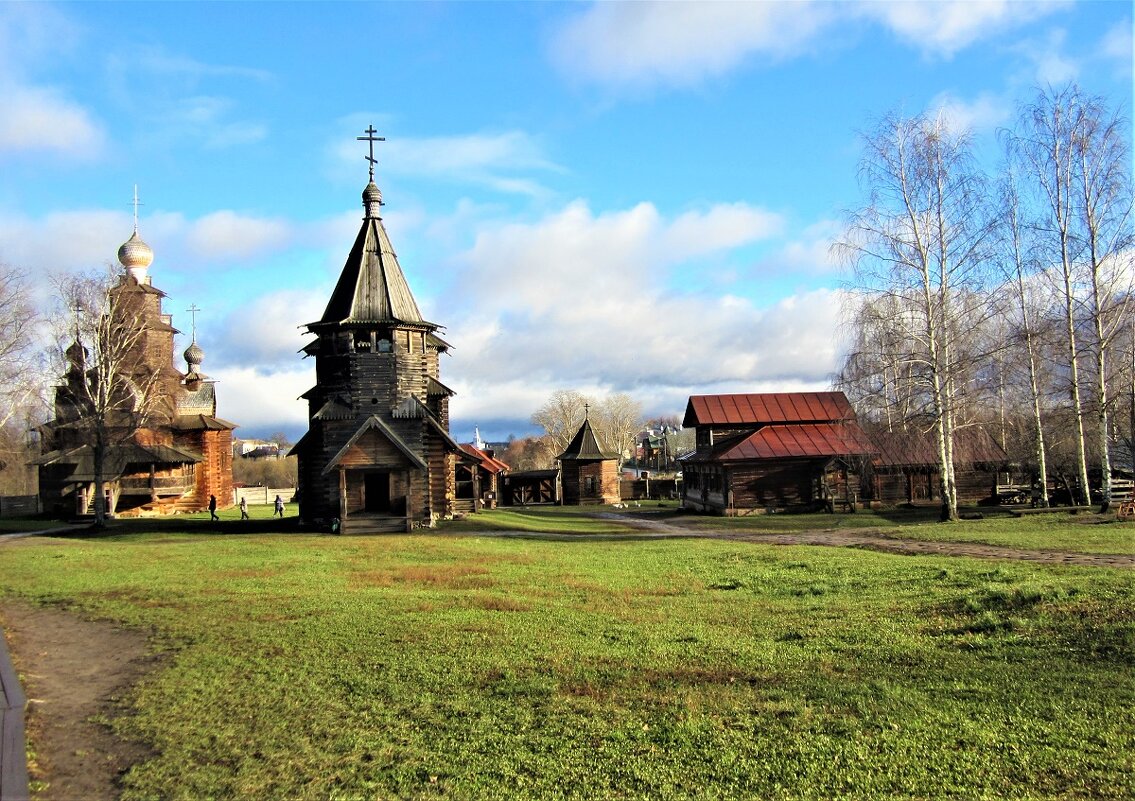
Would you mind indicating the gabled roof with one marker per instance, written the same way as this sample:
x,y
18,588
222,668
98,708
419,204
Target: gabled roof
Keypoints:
x,y
372,287
793,441
766,408
585,446
336,408
373,422
486,461
199,422
436,388
128,457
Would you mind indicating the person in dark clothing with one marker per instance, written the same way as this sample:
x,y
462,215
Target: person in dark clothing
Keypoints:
x,y
213,508
243,508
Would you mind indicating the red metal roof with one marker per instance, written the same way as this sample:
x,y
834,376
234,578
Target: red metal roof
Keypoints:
x,y
764,408
800,441
487,462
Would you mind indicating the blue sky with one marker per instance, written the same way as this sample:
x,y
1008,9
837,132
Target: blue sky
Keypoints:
x,y
619,197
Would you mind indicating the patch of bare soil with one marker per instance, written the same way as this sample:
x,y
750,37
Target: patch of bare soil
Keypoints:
x,y
73,669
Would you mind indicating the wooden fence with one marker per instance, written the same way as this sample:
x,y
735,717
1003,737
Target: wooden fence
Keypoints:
x,y
264,495
19,505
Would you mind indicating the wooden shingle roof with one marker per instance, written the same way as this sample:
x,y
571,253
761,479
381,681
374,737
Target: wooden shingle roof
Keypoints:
x,y
584,446
372,287
766,408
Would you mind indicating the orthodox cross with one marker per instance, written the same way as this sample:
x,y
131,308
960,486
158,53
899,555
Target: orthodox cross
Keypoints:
x,y
137,203
586,407
193,317
371,138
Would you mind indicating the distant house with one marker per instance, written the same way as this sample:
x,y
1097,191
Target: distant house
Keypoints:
x,y
771,452
479,477
588,473
905,467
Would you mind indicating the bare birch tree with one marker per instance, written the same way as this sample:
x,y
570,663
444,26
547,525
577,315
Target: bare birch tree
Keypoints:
x,y
19,376
617,419
1020,269
921,244
1104,212
1075,156
561,417
113,385
1044,146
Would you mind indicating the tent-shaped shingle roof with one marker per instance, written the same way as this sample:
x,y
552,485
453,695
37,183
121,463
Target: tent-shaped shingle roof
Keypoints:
x,y
372,287
584,446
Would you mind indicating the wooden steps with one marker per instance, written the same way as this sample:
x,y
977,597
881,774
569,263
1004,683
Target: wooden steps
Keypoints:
x,y
373,524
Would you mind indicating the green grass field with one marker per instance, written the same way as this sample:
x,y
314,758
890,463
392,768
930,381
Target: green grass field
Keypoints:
x,y
318,667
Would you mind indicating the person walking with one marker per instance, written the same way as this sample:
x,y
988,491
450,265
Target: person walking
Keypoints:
x,y
213,508
243,508
279,507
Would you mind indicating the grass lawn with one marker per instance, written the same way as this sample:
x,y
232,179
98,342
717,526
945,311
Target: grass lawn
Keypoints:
x,y
318,667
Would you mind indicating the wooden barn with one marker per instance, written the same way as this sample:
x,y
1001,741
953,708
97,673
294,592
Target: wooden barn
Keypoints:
x,y
377,455
479,477
168,457
904,468
530,487
588,475
772,452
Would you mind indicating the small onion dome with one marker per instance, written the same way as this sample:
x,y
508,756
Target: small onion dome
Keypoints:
x,y
135,255
194,356
372,200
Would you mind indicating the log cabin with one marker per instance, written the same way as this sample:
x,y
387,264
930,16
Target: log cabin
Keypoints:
x,y
758,453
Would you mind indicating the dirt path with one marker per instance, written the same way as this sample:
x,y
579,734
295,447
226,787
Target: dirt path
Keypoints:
x,y
73,669
876,540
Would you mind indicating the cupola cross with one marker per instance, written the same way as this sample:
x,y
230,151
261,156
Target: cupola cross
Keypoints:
x,y
586,408
136,204
371,139
193,318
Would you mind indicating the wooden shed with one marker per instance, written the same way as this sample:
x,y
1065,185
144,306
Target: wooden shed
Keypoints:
x,y
772,452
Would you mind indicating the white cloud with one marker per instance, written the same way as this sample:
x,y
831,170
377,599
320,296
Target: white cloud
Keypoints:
x,y
681,43
985,112
264,332
42,119
944,27
223,235
263,401
1116,47
619,302
486,159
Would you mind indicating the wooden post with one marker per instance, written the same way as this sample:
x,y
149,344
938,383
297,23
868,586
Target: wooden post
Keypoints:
x,y
342,497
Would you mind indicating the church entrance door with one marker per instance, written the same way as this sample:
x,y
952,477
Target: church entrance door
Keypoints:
x,y
376,492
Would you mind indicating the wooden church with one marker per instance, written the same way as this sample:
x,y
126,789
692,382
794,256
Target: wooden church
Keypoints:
x,y
165,450
588,474
377,455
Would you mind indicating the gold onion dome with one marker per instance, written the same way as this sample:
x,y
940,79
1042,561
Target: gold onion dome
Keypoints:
x,y
135,255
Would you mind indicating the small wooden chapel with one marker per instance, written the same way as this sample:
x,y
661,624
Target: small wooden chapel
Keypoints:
x,y
377,455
